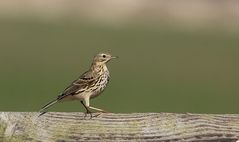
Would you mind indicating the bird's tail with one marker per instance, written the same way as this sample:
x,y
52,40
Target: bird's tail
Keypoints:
x,y
43,109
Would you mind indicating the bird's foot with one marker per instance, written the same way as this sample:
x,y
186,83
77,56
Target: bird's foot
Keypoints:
x,y
88,112
101,112
105,111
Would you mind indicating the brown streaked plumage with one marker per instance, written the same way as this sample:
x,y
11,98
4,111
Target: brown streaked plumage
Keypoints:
x,y
89,85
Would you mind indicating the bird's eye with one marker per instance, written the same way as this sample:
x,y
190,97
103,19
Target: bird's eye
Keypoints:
x,y
104,56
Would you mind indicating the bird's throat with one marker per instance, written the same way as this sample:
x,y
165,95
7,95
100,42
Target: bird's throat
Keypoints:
x,y
99,67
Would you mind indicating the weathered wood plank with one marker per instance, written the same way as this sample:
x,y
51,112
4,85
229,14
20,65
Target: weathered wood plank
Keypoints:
x,y
60,127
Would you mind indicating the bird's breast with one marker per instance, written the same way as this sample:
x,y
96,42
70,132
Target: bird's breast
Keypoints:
x,y
100,85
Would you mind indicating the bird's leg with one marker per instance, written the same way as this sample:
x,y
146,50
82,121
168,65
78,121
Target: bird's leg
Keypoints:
x,y
87,110
88,107
98,109
101,111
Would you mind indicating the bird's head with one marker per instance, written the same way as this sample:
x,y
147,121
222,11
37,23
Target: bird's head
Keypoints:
x,y
103,58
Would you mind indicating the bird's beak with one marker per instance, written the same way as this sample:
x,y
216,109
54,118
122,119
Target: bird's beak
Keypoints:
x,y
114,57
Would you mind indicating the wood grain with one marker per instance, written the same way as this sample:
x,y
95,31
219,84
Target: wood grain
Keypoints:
x,y
72,127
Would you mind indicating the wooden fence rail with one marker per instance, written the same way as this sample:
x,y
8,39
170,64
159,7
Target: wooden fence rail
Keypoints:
x,y
73,126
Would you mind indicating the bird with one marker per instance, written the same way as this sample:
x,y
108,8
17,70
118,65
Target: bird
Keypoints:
x,y
88,86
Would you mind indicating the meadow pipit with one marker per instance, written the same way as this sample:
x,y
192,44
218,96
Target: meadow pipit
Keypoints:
x,y
89,85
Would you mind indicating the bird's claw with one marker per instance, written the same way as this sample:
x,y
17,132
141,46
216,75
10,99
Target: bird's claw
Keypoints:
x,y
101,112
88,112
91,116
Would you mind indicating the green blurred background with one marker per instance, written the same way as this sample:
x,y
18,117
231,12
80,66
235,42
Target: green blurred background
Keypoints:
x,y
166,64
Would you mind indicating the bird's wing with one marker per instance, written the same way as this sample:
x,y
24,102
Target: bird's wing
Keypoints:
x,y
79,85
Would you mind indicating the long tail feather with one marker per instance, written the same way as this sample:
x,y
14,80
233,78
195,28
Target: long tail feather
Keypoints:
x,y
42,111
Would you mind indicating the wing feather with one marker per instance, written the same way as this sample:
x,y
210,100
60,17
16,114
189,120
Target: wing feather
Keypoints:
x,y
79,85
